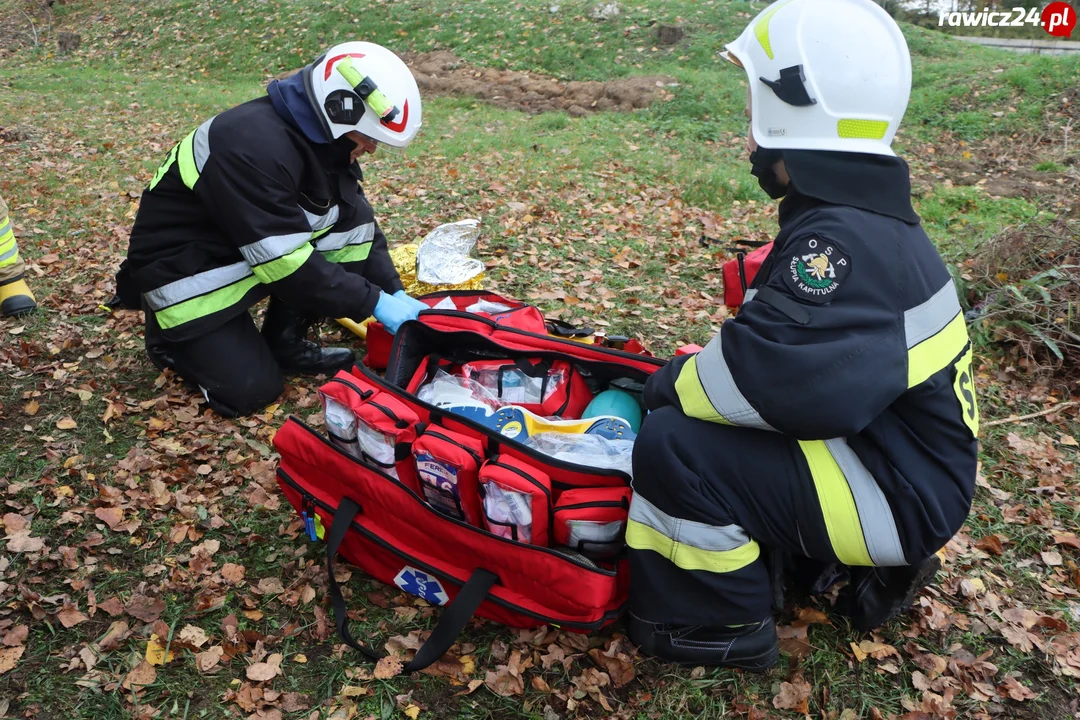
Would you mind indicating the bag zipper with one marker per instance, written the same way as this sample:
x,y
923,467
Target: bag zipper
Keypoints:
x,y
423,503
518,471
440,573
472,453
365,394
590,505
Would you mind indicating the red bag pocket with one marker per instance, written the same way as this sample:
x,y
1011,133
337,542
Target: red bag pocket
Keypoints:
x,y
517,500
540,386
385,431
448,466
592,520
739,274
341,398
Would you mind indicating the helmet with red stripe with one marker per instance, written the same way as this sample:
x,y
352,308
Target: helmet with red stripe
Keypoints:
x,y
364,87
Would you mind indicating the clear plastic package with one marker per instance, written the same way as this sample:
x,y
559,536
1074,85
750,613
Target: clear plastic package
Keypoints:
x,y
446,390
592,450
444,254
508,509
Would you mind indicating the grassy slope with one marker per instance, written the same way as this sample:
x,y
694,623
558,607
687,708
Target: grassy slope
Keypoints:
x,y
650,183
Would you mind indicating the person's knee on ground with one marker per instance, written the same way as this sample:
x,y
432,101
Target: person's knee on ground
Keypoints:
x,y
247,397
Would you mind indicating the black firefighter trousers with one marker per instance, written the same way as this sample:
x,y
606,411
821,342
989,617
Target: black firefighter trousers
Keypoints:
x,y
709,500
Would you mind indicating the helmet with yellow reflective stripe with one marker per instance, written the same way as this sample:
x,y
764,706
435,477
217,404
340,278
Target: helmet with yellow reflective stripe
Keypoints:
x,y
825,75
364,87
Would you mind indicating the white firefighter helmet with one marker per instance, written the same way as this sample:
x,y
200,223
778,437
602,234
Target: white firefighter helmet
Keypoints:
x,y
825,75
365,87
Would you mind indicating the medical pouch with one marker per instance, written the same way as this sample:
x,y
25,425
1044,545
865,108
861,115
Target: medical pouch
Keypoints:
x,y
447,467
592,521
548,388
517,500
371,425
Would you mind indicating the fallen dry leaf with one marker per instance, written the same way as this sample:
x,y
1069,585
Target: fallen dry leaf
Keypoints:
x,y
9,657
70,616
232,573
412,711
66,423
22,542
143,674
388,667
294,702
31,408
1051,557
207,660
13,523
991,544
193,635
155,651
1015,690
793,696
145,608
876,650
263,671
111,516
116,634
16,636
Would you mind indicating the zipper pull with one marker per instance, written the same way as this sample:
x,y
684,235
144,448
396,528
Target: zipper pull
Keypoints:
x,y
308,514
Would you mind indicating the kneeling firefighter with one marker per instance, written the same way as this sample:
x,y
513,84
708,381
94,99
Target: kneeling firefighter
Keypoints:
x,y
833,421
261,200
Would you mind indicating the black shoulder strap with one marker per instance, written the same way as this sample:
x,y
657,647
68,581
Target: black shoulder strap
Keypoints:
x,y
784,304
454,618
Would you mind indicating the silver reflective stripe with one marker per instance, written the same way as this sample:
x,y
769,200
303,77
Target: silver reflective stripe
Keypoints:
x,y
180,290
357,236
321,222
750,295
200,145
4,228
928,319
720,386
875,515
272,248
689,532
10,253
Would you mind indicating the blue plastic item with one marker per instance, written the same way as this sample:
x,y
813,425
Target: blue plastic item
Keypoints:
x,y
617,403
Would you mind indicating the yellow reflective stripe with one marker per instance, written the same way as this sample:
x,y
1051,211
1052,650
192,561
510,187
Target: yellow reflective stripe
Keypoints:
x,y
761,28
164,168
688,557
204,305
349,253
320,233
863,129
189,173
937,352
7,241
695,402
9,256
284,266
837,505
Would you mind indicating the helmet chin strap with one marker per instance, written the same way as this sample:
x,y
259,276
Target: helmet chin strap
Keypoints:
x,y
763,167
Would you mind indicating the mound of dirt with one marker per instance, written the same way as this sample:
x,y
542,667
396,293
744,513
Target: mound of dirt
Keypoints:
x,y
443,73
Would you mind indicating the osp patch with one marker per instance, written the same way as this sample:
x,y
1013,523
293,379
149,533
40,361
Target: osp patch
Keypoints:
x,y
422,585
816,269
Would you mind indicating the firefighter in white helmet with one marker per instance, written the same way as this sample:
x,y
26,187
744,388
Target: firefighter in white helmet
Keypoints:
x,y
834,420
264,200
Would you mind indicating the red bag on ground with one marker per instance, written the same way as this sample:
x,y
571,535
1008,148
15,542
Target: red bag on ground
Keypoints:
x,y
740,273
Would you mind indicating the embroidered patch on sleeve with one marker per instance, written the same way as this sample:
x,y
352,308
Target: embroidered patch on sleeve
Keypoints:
x,y
816,269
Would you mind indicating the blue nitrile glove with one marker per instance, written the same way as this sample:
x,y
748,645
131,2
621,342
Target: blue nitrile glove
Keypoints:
x,y
411,301
391,312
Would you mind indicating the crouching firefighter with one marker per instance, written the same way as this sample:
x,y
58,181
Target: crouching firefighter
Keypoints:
x,y
263,200
834,419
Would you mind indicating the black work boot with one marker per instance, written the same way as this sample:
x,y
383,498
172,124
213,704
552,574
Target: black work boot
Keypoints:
x,y
285,329
877,595
750,647
157,349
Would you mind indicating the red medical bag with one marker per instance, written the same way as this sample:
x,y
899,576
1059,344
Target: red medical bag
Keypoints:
x,y
740,272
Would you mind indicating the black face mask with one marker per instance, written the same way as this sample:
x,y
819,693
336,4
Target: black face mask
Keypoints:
x,y
762,161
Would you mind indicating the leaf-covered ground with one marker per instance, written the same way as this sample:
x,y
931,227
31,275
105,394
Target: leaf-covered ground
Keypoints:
x,y
150,567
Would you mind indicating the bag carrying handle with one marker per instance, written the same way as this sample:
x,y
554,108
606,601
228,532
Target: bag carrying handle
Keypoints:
x,y
453,620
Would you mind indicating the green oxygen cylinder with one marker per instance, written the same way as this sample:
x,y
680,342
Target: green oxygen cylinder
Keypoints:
x,y
619,403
